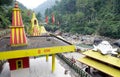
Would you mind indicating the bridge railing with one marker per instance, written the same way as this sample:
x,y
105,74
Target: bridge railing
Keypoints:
x,y
74,66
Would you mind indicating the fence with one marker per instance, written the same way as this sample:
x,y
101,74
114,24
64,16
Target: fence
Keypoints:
x,y
74,66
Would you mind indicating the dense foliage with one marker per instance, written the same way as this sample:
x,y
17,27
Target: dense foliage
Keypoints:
x,y
88,16
6,7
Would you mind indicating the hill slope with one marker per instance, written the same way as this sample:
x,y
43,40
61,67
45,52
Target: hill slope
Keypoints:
x,y
41,8
100,17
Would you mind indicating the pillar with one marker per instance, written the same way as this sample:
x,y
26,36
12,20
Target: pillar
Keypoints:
x,y
53,63
47,56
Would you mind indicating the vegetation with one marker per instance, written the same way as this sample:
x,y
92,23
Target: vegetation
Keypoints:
x,y
100,17
4,20
6,7
4,32
39,16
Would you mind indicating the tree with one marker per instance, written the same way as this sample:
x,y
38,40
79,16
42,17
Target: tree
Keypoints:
x,y
88,16
39,17
6,2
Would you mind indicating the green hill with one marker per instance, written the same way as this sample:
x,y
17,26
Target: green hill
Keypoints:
x,y
6,7
101,17
48,4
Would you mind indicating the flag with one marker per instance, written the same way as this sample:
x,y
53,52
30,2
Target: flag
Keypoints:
x,y
46,19
53,19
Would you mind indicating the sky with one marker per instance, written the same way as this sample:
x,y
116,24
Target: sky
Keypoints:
x,y
30,4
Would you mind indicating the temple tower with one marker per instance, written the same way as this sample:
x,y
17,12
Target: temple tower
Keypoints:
x,y
35,31
17,35
18,38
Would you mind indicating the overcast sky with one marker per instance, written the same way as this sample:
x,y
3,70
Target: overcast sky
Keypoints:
x,y
30,4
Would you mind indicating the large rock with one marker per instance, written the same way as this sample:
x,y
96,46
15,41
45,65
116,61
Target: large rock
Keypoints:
x,y
117,43
97,41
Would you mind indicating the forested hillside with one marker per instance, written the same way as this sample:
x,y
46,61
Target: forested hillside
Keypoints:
x,y
101,17
6,7
47,4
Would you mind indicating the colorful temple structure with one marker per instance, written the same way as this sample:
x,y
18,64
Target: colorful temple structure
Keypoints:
x,y
17,49
17,35
36,30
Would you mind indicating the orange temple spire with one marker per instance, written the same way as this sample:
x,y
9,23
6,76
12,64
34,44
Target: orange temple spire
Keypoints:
x,y
17,35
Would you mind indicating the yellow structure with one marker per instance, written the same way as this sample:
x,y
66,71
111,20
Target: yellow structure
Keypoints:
x,y
17,35
18,57
35,52
53,62
104,63
47,57
36,30
104,58
42,30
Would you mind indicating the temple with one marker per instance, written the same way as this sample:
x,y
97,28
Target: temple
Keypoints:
x,y
17,34
19,49
35,29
